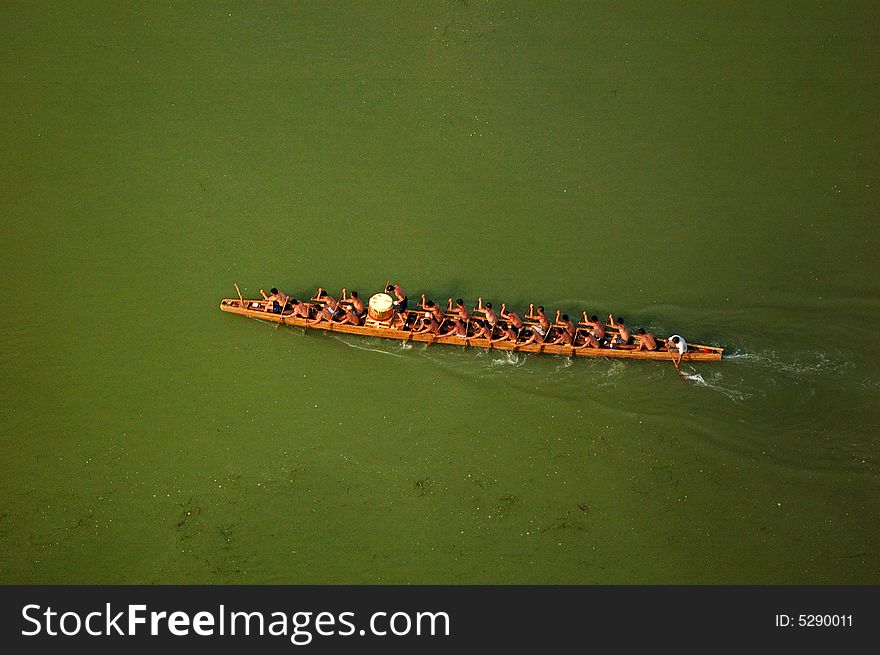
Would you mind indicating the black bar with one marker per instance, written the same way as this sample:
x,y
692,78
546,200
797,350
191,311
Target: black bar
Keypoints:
x,y
521,618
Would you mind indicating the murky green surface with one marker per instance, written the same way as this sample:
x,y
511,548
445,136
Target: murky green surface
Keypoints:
x,y
704,170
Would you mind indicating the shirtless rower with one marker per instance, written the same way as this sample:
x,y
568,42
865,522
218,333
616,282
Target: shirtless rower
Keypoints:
x,y
508,333
349,316
460,310
567,325
276,302
597,328
431,306
331,306
482,330
543,326
590,340
429,324
541,329
623,335
676,344
647,341
301,309
487,311
512,318
355,301
324,314
329,301
567,334
457,329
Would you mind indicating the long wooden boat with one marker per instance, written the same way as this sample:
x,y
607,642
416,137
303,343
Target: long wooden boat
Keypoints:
x,y
256,309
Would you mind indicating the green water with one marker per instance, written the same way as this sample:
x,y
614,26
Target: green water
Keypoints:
x,y
700,169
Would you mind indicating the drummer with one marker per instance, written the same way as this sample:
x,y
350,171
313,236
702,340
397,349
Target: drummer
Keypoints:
x,y
400,303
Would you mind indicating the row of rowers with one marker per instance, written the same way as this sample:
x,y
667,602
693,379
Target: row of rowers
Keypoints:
x,y
482,322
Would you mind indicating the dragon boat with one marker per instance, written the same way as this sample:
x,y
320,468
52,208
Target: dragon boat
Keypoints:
x,y
381,322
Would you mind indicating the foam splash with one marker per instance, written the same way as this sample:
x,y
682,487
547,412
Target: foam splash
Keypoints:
x,y
734,394
507,358
372,350
801,363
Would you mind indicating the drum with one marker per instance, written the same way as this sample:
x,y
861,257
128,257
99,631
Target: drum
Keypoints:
x,y
381,307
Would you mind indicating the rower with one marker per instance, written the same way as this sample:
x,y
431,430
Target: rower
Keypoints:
x,y
324,314
328,300
543,326
623,335
459,309
276,302
676,344
647,341
331,309
538,334
434,308
300,308
597,329
567,325
487,311
508,333
482,330
429,324
355,302
457,329
566,336
349,316
512,318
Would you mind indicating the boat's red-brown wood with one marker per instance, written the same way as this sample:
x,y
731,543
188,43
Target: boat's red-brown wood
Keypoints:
x,y
695,353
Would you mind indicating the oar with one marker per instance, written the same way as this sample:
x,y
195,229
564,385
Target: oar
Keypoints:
x,y
516,340
672,357
434,334
240,299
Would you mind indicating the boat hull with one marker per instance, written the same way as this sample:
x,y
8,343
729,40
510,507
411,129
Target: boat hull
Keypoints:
x,y
695,353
